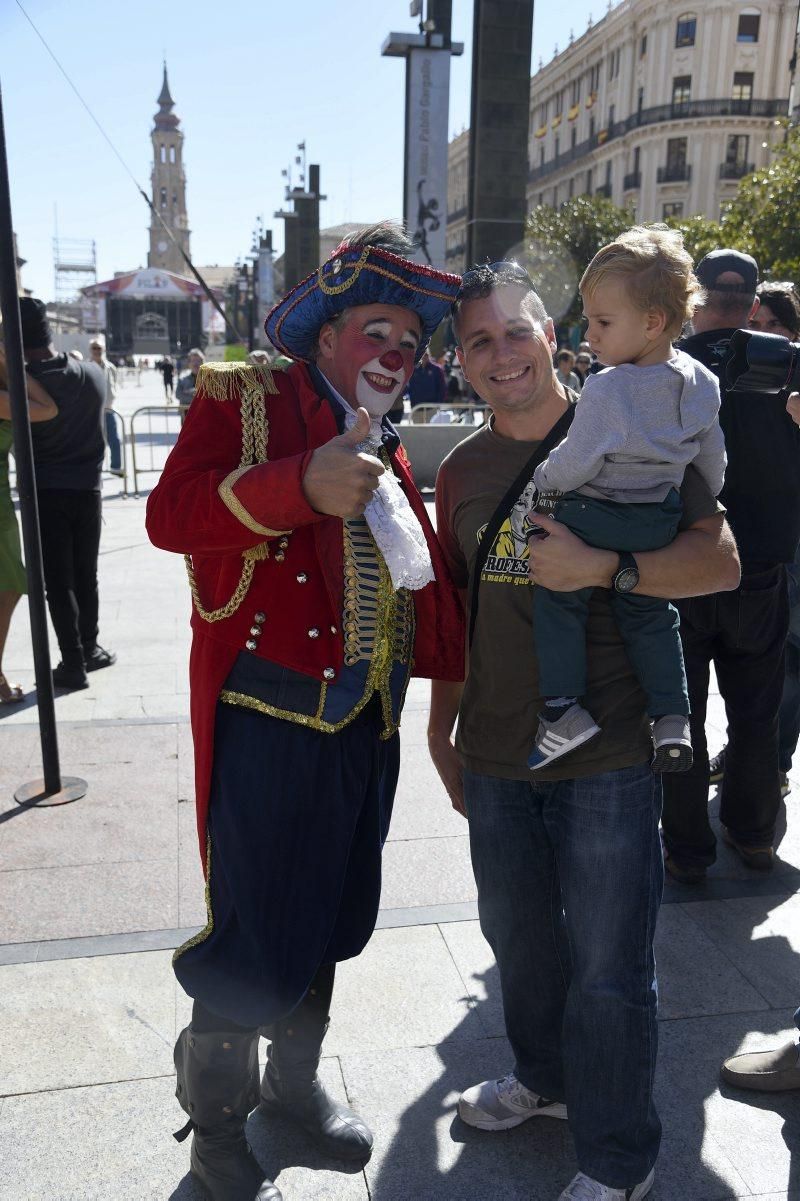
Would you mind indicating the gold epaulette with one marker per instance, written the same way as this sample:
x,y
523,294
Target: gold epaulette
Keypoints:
x,y
226,381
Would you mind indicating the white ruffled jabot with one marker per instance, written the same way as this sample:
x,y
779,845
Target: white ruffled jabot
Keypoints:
x,y
393,523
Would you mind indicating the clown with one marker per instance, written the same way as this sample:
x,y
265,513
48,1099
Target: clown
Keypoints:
x,y
318,589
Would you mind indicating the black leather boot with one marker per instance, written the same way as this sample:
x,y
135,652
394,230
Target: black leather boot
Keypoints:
x,y
291,1087
218,1087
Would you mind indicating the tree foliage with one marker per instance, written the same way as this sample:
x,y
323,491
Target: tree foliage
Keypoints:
x,y
763,219
764,216
560,243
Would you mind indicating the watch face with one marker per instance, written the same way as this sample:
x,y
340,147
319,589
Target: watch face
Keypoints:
x,y
626,580
162,246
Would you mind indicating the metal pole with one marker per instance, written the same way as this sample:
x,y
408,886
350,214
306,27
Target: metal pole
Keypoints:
x,y
52,790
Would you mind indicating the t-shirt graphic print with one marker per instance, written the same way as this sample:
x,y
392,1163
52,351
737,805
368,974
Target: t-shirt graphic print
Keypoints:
x,y
507,560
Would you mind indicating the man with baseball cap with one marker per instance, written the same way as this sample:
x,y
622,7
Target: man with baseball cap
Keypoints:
x,y
68,456
743,632
728,272
319,589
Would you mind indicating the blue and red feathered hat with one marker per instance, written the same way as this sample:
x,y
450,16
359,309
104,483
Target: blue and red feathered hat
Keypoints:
x,y
355,275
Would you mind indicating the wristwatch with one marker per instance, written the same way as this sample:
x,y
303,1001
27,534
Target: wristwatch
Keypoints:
x,y
626,577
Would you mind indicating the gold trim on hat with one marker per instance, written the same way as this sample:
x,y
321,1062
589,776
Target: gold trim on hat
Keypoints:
x,y
337,289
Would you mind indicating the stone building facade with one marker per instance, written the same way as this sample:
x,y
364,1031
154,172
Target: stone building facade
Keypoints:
x,y
457,190
663,106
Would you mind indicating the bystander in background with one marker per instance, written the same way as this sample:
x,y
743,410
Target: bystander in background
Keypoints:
x,y
583,363
187,380
167,369
68,454
743,632
565,373
426,388
97,354
778,313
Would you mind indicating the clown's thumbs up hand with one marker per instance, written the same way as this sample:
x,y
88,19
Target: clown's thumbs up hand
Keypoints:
x,y
356,433
340,479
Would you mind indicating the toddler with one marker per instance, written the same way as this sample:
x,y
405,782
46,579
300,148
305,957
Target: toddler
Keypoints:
x,y
614,481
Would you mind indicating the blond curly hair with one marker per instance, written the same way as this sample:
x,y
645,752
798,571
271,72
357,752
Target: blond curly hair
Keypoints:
x,y
657,270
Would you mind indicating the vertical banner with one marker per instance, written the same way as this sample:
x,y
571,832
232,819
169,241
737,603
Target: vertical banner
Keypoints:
x,y
426,153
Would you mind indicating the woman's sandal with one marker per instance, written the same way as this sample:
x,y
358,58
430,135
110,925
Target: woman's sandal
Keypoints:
x,y
10,694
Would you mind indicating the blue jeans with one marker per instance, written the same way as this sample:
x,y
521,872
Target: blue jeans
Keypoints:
x,y
648,625
569,879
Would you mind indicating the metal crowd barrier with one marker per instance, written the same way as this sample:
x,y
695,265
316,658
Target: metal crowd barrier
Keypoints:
x,y
151,442
127,375
457,413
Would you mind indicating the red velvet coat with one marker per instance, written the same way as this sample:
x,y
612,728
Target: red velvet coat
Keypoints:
x,y
203,507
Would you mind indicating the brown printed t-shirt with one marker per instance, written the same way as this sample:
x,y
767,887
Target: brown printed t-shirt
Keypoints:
x,y
501,702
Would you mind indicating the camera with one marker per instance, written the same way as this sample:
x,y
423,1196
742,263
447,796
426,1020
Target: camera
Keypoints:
x,y
756,362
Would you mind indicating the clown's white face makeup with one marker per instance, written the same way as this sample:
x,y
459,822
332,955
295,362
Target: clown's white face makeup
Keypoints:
x,y
378,386
370,358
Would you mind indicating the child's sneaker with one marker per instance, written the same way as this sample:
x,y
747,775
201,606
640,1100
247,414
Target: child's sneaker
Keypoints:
x,y
555,739
672,745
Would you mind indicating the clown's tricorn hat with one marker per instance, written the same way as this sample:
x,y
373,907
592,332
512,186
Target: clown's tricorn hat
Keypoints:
x,y
353,275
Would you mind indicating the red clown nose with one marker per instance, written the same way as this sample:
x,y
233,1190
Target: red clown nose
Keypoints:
x,y
392,360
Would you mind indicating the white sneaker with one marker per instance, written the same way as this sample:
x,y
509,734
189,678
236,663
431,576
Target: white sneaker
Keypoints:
x,y
501,1104
583,1188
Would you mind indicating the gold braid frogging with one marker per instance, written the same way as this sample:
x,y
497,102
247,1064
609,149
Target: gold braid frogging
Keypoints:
x,y
252,383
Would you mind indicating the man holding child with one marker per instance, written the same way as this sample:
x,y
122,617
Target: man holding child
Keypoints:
x,y
568,860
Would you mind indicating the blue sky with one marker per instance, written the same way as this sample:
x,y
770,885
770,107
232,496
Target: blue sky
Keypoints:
x,y
249,82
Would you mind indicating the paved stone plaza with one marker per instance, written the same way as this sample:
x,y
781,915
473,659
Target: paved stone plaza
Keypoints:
x,y
95,895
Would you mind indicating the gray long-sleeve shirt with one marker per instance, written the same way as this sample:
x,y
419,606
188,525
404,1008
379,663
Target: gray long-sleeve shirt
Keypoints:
x,y
636,429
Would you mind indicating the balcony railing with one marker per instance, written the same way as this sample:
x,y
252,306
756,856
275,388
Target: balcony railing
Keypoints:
x,y
735,170
603,190
674,173
694,110
457,214
632,180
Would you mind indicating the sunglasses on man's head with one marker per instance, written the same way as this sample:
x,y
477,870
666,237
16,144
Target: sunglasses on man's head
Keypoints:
x,y
512,271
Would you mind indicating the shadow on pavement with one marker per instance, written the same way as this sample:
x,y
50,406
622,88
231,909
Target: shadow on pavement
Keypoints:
x,y
715,1147
28,702
278,1146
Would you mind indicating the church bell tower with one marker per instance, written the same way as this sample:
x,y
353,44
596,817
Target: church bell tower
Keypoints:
x,y
169,188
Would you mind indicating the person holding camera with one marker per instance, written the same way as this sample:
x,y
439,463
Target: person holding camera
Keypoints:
x,y
779,313
744,631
